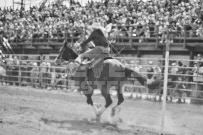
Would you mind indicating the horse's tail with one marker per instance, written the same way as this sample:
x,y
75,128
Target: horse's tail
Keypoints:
x,y
133,74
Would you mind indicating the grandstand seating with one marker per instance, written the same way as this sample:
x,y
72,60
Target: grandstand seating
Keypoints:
x,y
140,25
128,43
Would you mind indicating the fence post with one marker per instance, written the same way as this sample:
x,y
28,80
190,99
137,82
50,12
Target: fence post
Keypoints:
x,y
196,85
64,79
165,86
197,79
184,37
19,75
157,36
131,38
65,34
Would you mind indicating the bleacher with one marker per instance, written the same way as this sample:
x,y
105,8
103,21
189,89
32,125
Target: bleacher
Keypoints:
x,y
126,44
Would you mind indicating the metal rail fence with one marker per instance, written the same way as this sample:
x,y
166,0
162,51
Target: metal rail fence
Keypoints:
x,y
186,86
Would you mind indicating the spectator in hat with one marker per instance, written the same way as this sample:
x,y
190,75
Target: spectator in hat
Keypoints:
x,y
199,31
35,76
24,72
198,60
45,73
15,70
174,68
9,66
1,61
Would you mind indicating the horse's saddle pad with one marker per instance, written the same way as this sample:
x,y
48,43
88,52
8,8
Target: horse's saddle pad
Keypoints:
x,y
97,65
99,61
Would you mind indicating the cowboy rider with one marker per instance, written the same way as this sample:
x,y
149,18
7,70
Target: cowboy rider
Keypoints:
x,y
99,37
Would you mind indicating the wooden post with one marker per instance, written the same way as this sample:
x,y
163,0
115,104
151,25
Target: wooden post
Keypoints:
x,y
157,36
191,58
184,37
165,87
131,38
138,53
20,76
13,4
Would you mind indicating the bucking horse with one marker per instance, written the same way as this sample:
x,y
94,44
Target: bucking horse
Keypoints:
x,y
102,73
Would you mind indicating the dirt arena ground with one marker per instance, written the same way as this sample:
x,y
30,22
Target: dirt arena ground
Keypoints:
x,y
28,111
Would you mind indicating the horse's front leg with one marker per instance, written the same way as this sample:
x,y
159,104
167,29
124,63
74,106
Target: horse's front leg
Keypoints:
x,y
88,95
116,109
98,107
93,105
98,110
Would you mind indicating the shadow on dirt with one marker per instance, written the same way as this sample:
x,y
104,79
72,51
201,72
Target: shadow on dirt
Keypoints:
x,y
84,125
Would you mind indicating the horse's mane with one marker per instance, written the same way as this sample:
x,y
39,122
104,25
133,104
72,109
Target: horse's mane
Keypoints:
x,y
69,53
73,51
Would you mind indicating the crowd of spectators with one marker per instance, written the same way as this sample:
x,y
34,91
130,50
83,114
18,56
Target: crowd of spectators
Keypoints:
x,y
134,18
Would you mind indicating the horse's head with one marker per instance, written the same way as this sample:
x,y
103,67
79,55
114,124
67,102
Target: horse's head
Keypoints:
x,y
66,53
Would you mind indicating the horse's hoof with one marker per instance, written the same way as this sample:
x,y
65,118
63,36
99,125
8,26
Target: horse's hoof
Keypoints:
x,y
98,117
116,121
97,106
115,111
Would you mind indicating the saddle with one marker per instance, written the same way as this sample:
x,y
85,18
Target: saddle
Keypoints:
x,y
96,64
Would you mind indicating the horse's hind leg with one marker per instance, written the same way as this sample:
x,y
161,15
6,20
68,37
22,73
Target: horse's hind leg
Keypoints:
x,y
116,108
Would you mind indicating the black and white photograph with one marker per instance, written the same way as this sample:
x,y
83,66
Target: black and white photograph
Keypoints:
x,y
101,67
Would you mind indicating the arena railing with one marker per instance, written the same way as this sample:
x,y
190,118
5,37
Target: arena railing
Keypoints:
x,y
186,86
191,85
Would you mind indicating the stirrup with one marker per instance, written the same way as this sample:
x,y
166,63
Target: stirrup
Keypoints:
x,y
85,63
